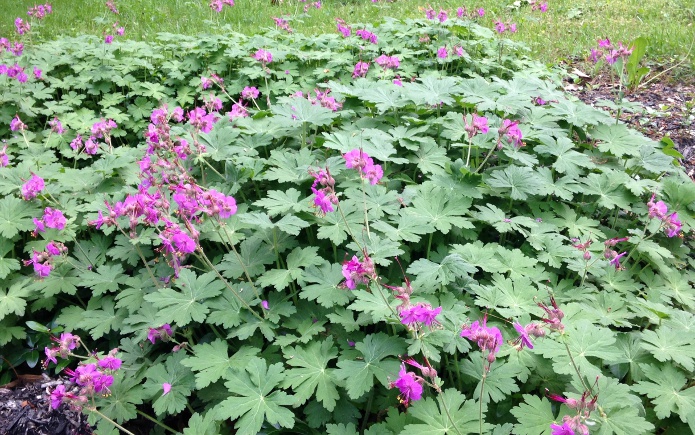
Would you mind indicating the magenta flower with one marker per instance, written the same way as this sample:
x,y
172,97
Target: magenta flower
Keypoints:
x,y
263,56
57,396
419,313
357,272
32,187
409,384
672,225
4,158
166,388
91,146
250,93
51,354
265,305
22,26
442,16
524,340
42,270
360,70
108,39
37,73
343,28
511,132
565,429
500,27
52,249
604,43
17,124
323,201
488,338
442,53
460,12
163,333
367,35
54,218
481,12
56,126
110,363
358,159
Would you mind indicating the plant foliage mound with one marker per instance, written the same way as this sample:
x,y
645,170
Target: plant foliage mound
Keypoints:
x,y
406,228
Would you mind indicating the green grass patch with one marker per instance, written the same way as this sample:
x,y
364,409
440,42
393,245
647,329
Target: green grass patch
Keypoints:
x,y
568,29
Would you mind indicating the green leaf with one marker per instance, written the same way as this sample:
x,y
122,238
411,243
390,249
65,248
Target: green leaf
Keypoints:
x,y
14,300
107,278
619,140
520,180
179,377
100,321
430,159
361,373
253,255
374,304
187,305
609,189
622,421
567,160
313,377
300,110
211,361
125,394
666,391
500,381
410,228
431,90
201,425
16,215
9,331
585,340
511,298
255,398
325,289
280,202
442,209
7,265
428,272
667,344
534,415
296,261
434,415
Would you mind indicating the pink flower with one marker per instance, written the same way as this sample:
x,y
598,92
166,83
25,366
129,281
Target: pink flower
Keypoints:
x,y
265,305
4,158
360,69
57,396
250,93
672,225
108,39
442,16
323,201
120,31
56,126
263,56
357,272
32,187
565,429
481,12
54,218
442,53
500,27
488,338
511,132
524,340
419,313
166,388
52,249
17,124
22,26
409,385
110,363
42,270
37,73
605,43
367,35
163,333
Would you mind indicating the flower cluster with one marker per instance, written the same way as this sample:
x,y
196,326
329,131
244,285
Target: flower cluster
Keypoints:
x,y
323,99
583,247
536,5
613,255
16,48
478,125
52,218
611,54
324,197
510,132
111,5
43,261
360,70
218,5
263,56
669,222
163,333
440,16
502,27
358,272
461,12
206,83
388,62
17,125
525,333
4,158
409,384
488,338
575,424
419,314
56,126
315,5
554,315
358,159
343,28
282,23
91,378
367,35
32,187
66,343
40,11
22,26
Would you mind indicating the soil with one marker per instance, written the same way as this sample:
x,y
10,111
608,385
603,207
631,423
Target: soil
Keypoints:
x,y
25,409
666,107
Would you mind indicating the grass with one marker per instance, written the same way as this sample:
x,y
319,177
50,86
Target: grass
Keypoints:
x,y
568,30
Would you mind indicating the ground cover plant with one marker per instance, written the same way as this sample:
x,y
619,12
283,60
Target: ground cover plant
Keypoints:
x,y
395,228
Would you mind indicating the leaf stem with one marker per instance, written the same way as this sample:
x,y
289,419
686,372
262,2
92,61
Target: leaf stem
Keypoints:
x,y
487,156
121,428
155,421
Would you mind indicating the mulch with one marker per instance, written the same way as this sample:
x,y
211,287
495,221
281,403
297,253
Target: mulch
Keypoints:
x,y
25,409
668,107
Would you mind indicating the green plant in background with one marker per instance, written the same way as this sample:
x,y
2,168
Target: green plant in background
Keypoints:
x,y
283,232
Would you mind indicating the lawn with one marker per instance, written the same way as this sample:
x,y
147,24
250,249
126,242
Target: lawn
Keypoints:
x,y
568,29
